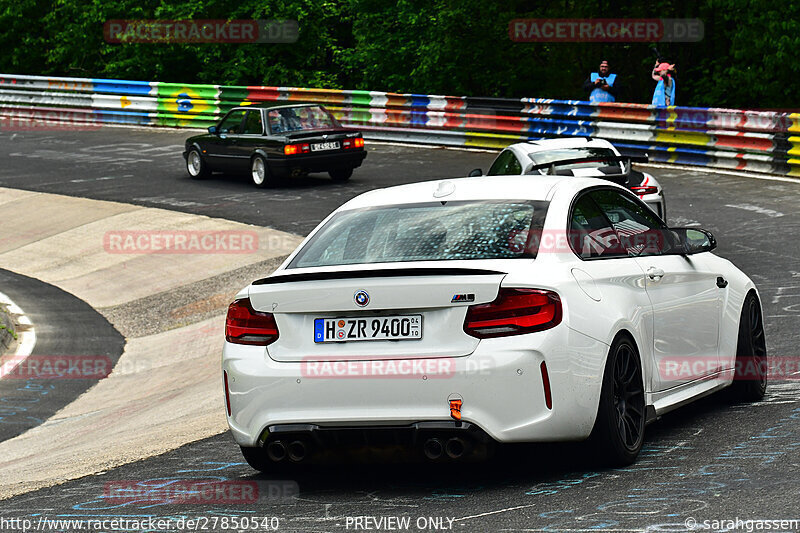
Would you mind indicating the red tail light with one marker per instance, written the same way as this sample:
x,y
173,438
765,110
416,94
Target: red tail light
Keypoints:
x,y
244,325
641,191
358,142
291,149
514,312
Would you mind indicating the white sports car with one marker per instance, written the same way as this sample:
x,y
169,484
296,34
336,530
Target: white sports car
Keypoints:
x,y
579,156
450,315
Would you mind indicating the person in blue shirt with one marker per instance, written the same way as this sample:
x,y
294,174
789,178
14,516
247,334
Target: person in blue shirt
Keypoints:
x,y
602,85
664,95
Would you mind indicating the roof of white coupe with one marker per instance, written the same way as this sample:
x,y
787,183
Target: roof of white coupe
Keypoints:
x,y
476,188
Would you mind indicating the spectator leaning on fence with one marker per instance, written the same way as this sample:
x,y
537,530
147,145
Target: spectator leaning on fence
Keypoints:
x,y
664,95
602,85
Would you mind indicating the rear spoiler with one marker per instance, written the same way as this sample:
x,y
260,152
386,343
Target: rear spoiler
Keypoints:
x,y
380,273
551,167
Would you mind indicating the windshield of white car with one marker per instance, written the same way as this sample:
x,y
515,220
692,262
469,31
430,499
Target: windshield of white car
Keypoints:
x,y
597,158
432,231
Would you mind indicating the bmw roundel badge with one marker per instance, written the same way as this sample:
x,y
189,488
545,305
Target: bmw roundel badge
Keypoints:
x,y
362,298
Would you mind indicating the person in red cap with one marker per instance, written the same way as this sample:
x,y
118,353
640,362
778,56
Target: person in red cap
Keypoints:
x,y
602,85
664,95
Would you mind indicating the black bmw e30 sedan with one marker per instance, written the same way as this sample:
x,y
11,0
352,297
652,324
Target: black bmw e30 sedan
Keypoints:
x,y
274,142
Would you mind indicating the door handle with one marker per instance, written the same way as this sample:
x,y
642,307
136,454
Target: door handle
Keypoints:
x,y
655,274
722,282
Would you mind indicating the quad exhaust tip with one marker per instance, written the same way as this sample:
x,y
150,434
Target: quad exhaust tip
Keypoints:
x,y
297,451
455,448
433,449
276,451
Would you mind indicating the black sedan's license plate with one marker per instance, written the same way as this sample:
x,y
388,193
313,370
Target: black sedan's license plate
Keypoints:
x,y
375,328
319,147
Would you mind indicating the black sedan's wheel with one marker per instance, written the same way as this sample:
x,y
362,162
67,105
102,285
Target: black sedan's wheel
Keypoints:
x,y
195,165
619,428
341,174
750,378
259,172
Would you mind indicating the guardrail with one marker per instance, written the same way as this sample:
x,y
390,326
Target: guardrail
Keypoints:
x,y
756,141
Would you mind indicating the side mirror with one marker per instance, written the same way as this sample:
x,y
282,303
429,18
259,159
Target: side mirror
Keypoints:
x,y
475,172
694,240
212,129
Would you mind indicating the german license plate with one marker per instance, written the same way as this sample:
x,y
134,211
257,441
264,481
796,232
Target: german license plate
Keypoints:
x,y
318,147
376,328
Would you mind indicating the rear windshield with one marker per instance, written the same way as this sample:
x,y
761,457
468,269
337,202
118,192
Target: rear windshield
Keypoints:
x,y
288,119
426,232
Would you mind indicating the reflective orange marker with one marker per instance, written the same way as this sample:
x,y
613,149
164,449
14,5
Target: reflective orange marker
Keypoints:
x,y
455,409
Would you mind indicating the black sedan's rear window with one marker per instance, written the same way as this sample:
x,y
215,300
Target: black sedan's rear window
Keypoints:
x,y
426,232
287,119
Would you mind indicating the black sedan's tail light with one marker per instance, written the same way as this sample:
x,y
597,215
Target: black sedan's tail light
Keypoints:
x,y
358,142
292,149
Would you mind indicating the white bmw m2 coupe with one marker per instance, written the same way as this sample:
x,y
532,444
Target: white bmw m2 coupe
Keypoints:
x,y
448,316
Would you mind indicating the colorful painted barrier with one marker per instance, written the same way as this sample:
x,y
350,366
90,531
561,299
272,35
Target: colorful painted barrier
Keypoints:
x,y
757,141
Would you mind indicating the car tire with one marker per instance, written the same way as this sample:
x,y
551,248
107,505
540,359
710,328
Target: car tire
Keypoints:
x,y
259,171
619,429
340,174
750,375
195,166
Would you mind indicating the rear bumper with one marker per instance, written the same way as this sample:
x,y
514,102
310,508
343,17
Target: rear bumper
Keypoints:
x,y
316,162
500,385
657,203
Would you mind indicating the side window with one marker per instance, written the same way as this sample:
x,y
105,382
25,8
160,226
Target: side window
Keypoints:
x,y
274,121
233,122
252,124
505,164
639,230
590,234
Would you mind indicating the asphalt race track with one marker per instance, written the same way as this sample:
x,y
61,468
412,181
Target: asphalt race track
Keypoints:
x,y
712,460
66,327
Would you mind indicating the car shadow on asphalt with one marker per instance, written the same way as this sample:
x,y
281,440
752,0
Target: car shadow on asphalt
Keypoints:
x,y
315,181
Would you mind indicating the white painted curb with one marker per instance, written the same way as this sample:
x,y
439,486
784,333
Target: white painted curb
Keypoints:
x,y
26,339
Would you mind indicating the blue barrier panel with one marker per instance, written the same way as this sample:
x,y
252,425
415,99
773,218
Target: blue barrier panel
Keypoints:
x,y
139,88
